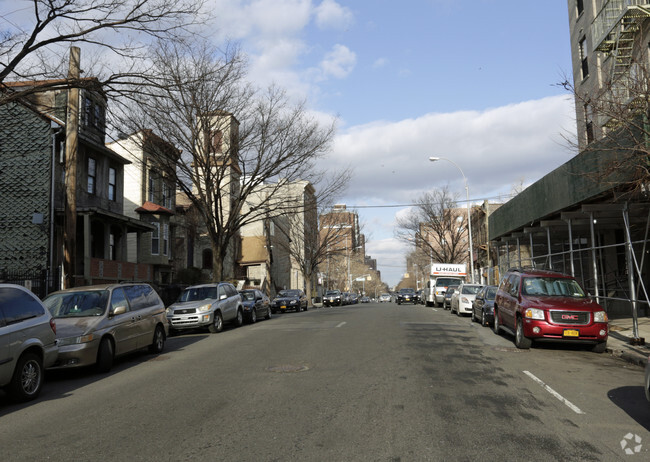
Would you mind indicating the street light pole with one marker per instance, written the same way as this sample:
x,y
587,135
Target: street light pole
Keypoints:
x,y
469,218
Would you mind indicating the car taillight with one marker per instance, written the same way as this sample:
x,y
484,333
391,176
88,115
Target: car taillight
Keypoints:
x,y
53,325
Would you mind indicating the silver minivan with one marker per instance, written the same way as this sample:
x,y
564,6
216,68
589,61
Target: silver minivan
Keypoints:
x,y
27,342
97,323
206,305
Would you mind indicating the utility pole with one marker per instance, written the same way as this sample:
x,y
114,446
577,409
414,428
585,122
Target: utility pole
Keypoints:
x,y
71,149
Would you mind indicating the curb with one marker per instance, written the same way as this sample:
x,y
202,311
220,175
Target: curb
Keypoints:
x,y
629,356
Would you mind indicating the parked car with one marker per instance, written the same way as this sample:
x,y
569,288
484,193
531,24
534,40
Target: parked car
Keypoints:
x,y
27,342
536,305
441,286
419,297
406,295
290,299
206,306
256,305
95,324
446,301
461,300
333,298
354,299
345,296
483,305
384,298
365,299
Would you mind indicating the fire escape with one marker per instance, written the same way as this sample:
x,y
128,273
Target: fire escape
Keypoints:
x,y
614,32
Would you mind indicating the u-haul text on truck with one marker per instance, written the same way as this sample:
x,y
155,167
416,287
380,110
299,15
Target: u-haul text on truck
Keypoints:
x,y
442,275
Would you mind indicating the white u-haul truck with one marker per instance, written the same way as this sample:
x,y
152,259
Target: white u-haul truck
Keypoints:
x,y
442,276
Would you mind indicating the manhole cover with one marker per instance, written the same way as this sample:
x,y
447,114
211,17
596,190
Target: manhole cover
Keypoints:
x,y
286,368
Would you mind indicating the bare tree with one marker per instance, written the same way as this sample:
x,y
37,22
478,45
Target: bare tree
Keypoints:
x,y
614,125
309,243
36,36
240,146
436,226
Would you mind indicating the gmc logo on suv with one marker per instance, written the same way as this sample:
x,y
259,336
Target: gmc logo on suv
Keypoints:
x,y
570,317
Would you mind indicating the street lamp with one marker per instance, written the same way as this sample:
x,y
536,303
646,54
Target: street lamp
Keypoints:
x,y
469,218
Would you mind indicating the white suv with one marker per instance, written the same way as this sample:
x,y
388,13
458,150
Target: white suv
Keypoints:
x,y
27,342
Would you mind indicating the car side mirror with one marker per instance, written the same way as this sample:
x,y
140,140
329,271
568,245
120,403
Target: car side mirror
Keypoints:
x,y
118,310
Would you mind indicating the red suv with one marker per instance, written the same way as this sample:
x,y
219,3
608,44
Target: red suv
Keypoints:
x,y
537,305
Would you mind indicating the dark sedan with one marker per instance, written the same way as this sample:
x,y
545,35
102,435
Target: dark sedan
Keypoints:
x,y
292,299
256,305
333,298
483,306
406,295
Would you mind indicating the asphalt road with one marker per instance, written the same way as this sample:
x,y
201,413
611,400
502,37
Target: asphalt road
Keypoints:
x,y
373,382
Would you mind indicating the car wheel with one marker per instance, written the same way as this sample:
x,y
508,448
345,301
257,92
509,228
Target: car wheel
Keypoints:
x,y
27,380
495,326
521,341
239,320
268,313
105,355
253,319
217,323
599,347
158,343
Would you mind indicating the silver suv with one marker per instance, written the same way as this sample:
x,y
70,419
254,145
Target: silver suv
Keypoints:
x,y
207,305
27,342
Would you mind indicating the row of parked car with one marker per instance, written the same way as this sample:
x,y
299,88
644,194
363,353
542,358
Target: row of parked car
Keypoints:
x,y
534,306
338,298
91,326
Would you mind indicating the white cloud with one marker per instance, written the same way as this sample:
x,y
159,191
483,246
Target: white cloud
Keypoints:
x,y
494,149
339,62
379,63
331,15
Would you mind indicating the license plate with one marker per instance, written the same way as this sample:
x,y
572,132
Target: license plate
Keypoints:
x,y
571,333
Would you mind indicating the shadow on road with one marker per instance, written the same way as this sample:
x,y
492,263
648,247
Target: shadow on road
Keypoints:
x,y
61,383
632,400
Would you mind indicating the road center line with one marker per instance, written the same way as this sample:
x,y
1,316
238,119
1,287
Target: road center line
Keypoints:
x,y
570,405
341,324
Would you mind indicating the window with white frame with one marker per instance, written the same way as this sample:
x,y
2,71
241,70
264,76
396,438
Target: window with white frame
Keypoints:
x,y
151,185
92,175
155,239
112,178
165,242
583,53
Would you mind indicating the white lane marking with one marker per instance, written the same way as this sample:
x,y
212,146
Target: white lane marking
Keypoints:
x,y
568,403
341,324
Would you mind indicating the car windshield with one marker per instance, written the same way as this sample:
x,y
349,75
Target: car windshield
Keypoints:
x,y
248,295
333,292
193,294
491,293
77,304
471,289
447,282
407,291
552,287
289,293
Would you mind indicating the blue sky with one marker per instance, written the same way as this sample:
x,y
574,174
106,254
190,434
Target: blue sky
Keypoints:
x,y
474,81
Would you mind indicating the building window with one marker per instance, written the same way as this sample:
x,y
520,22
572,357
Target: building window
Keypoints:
x,y
580,7
165,238
582,49
111,184
207,259
87,112
152,184
589,125
155,239
111,246
216,141
166,196
92,175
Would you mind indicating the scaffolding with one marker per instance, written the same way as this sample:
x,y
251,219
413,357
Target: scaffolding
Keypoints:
x,y
602,245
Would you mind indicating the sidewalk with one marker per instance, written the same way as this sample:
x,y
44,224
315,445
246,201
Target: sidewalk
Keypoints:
x,y
620,333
